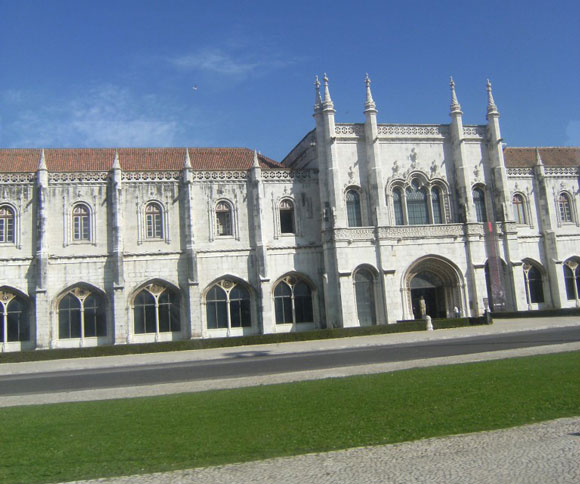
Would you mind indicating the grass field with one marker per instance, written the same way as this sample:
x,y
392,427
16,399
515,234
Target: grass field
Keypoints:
x,y
62,442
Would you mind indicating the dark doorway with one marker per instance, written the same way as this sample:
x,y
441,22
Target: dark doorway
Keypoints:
x,y
428,286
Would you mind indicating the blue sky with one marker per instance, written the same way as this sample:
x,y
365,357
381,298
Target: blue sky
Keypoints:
x,y
120,73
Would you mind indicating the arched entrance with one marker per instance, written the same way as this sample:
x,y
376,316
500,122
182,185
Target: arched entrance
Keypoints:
x,y
433,285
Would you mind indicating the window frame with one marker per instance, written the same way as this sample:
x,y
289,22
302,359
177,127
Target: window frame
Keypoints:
x,y
23,325
288,208
221,209
8,224
565,208
480,204
289,302
519,206
354,215
84,219
81,294
154,293
154,226
230,305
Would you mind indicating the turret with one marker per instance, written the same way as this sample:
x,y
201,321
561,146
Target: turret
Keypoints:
x,y
463,185
496,160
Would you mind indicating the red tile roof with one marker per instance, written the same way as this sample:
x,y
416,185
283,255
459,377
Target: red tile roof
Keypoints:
x,y
131,159
526,157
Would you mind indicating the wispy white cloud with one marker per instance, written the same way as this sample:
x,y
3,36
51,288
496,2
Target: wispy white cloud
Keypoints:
x,y
573,133
220,61
104,116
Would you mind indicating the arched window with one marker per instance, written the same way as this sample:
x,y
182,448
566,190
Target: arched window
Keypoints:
x,y
565,208
223,215
398,206
534,284
81,314
417,211
519,209
228,305
293,301
81,222
287,217
572,279
154,221
365,297
156,310
353,210
436,203
479,202
14,323
6,224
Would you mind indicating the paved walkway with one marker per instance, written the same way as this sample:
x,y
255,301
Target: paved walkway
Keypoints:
x,y
499,326
544,453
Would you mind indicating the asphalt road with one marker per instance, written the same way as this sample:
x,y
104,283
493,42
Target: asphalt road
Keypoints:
x,y
254,363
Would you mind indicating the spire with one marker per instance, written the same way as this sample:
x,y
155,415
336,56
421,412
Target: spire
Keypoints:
x,y
187,164
539,161
256,164
317,98
116,163
42,163
455,106
370,103
327,104
491,107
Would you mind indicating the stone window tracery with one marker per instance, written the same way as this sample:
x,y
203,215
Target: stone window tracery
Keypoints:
x,y
534,283
353,208
228,305
81,314
81,219
565,208
14,322
519,207
156,310
223,213
479,202
572,279
153,221
293,301
6,224
420,202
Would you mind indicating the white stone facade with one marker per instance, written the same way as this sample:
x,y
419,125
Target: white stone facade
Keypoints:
x,y
357,224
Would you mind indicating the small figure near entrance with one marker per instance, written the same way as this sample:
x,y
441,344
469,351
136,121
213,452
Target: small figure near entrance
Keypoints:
x,y
456,312
422,307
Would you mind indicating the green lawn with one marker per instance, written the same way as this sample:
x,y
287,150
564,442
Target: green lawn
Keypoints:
x,y
97,439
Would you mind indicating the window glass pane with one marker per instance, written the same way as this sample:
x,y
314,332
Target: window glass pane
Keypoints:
x,y
535,284
398,207
565,213
224,219
365,298
519,209
479,202
216,308
154,221
240,307
283,303
6,224
287,220
570,281
17,321
417,205
169,319
353,209
69,317
144,313
436,202
303,303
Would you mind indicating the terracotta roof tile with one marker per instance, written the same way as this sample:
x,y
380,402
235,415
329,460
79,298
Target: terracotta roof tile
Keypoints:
x,y
131,159
557,156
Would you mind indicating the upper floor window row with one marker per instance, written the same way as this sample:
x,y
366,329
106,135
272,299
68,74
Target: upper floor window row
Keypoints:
x,y
419,204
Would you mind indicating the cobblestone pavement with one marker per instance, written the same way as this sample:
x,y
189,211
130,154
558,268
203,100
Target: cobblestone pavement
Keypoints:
x,y
542,453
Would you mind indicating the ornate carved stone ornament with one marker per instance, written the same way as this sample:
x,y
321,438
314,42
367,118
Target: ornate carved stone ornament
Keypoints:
x,y
572,264
413,159
151,175
354,130
17,177
81,293
434,168
477,132
285,175
521,172
413,131
6,297
79,177
563,171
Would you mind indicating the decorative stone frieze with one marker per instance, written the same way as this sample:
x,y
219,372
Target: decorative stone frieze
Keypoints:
x,y
521,172
405,131
17,177
75,177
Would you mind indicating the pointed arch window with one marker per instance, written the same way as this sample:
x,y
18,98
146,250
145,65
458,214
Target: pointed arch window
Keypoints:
x,y
398,206
6,224
364,289
228,305
572,280
479,202
81,314
565,208
81,222
287,225
519,209
436,204
154,221
417,211
14,322
223,213
353,208
156,309
534,284
293,301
